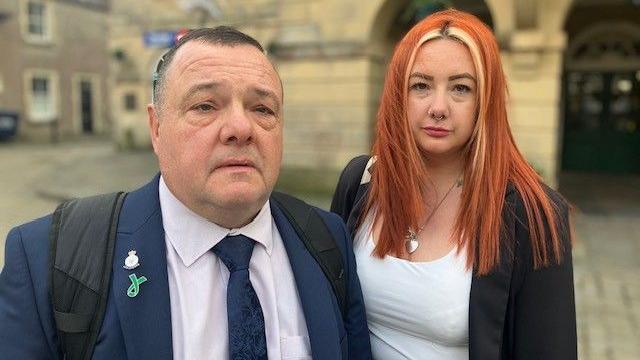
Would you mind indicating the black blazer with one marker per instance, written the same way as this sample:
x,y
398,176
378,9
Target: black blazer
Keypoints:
x,y
515,312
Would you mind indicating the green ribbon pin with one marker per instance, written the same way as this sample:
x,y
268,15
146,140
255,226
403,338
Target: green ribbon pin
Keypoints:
x,y
134,289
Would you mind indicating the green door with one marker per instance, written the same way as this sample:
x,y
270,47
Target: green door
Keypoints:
x,y
602,122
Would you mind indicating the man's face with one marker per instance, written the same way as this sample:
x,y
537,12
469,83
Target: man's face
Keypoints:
x,y
218,134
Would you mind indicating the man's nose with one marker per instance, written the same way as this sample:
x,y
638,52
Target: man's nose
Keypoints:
x,y
237,127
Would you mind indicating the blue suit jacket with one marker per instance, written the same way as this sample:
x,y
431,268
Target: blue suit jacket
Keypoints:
x,y
140,327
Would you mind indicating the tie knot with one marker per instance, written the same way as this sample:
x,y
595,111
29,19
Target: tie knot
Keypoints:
x,y
235,251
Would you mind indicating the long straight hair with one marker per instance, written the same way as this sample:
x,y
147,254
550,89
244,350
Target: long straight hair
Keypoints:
x,y
492,160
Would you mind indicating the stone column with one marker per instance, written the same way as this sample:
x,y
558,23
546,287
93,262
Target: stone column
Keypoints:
x,y
326,110
533,64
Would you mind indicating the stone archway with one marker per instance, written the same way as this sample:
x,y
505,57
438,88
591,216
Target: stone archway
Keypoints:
x,y
601,91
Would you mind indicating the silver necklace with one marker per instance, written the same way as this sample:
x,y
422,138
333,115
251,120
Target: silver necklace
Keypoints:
x,y
411,242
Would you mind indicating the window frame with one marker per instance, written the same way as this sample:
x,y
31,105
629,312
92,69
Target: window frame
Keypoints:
x,y
46,23
34,115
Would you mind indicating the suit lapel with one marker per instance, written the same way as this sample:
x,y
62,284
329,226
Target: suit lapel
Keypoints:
x,y
489,300
487,311
146,318
314,291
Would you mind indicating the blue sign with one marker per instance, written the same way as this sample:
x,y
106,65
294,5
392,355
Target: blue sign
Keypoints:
x,y
159,38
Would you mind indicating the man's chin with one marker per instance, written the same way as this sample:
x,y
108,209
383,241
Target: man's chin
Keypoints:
x,y
239,197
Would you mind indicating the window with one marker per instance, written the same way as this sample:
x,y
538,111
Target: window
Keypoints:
x,y
37,21
41,91
41,96
130,102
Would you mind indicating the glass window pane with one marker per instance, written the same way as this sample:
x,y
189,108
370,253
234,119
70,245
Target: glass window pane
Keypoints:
x,y
41,97
36,18
35,29
40,85
130,102
36,8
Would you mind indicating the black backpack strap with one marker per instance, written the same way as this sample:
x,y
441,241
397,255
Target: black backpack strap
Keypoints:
x,y
348,188
350,195
82,238
318,240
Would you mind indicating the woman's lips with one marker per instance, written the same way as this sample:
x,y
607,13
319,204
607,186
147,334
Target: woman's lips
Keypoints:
x,y
436,131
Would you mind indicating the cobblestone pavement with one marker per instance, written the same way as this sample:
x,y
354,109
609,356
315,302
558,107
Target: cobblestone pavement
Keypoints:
x,y
607,265
34,178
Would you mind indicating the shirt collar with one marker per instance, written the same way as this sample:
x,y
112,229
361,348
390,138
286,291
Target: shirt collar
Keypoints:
x,y
192,236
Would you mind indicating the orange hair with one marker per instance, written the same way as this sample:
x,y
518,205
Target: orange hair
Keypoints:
x,y
492,159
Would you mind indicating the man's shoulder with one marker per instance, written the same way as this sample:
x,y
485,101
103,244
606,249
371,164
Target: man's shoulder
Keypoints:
x,y
28,245
34,229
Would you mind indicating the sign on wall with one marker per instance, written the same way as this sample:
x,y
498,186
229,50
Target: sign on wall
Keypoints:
x,y
159,38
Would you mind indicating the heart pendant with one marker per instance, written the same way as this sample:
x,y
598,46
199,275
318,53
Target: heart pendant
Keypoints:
x,y
411,245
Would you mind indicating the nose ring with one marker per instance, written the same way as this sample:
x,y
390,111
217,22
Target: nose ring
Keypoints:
x,y
433,116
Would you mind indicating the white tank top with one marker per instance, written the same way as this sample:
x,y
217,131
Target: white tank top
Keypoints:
x,y
415,310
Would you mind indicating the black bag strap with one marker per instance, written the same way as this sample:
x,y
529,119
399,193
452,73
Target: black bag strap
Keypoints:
x,y
82,239
350,195
347,190
318,240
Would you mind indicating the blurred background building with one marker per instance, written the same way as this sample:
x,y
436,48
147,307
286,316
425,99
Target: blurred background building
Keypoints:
x,y
74,67
80,71
54,67
573,70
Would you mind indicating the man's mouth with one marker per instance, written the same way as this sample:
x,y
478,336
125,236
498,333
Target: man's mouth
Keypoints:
x,y
236,163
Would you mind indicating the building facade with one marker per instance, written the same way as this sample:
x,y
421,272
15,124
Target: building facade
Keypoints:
x,y
573,68
54,66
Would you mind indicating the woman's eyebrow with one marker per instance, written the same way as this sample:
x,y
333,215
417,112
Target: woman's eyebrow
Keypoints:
x,y
462,76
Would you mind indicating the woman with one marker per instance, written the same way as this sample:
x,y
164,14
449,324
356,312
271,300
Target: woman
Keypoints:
x,y
462,251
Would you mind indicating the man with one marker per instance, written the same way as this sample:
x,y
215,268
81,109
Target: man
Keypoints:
x,y
216,127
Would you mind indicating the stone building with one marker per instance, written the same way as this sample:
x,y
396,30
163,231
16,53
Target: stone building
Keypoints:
x,y
573,68
54,66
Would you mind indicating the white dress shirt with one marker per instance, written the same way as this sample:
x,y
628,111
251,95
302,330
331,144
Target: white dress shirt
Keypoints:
x,y
198,285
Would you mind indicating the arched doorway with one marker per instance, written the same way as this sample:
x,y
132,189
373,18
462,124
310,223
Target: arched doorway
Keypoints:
x,y
393,19
601,90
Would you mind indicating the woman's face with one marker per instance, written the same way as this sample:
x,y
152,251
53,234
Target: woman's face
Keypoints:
x,y
442,93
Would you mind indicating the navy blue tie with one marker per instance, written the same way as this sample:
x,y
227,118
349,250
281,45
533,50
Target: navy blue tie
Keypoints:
x,y
246,323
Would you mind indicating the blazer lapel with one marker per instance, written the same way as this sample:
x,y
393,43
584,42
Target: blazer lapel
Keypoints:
x,y
487,311
489,300
146,317
314,291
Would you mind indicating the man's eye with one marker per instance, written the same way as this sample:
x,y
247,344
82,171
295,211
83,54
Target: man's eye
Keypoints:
x,y
204,107
265,110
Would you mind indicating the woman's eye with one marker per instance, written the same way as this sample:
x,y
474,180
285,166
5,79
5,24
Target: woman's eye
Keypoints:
x,y
419,86
265,110
461,88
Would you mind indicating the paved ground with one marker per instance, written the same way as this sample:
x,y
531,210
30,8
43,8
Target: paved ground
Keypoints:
x,y
34,178
607,265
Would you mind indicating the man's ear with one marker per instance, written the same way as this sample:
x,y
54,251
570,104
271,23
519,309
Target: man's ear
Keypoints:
x,y
154,126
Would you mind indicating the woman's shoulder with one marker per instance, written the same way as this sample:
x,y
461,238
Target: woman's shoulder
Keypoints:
x,y
514,201
354,169
517,215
